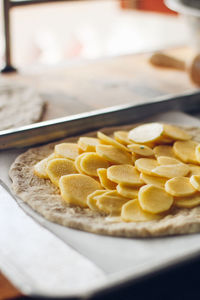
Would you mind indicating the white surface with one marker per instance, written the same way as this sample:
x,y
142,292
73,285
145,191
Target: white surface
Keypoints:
x,y
35,260
119,258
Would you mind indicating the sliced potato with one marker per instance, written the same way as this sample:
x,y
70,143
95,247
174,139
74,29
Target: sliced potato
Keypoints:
x,y
163,139
88,144
114,155
188,202
154,199
195,182
132,212
176,133
163,150
105,182
142,150
92,200
122,137
90,162
125,174
146,133
186,151
166,160
52,156
127,191
78,163
194,170
110,141
67,150
58,167
197,153
76,188
146,165
154,180
171,171
111,202
41,166
40,169
179,187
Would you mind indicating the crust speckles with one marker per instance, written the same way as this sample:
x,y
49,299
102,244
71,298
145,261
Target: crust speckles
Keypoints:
x,y
44,198
19,106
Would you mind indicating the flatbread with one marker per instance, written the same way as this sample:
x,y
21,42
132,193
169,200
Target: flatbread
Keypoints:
x,y
19,106
42,196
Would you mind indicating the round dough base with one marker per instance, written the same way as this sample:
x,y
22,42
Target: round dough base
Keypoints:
x,y
19,106
42,196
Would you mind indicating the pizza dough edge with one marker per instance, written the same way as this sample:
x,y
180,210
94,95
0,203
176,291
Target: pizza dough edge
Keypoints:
x,y
43,197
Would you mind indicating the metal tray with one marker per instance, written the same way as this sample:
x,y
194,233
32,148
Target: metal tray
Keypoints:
x,y
119,260
43,132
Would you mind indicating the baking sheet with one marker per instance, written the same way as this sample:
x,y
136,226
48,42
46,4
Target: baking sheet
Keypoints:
x,y
119,258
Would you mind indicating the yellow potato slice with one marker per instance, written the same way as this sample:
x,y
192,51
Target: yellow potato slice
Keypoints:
x,y
58,167
166,160
195,182
67,150
134,157
125,174
76,188
109,141
176,133
92,200
142,150
194,170
132,212
163,150
41,166
188,202
111,202
154,180
197,153
179,187
127,191
122,137
154,199
52,156
78,163
105,182
163,139
146,133
171,171
186,151
114,155
40,169
90,162
146,165
88,144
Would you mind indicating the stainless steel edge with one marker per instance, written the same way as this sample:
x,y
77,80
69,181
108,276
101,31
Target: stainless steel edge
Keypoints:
x,y
68,126
38,262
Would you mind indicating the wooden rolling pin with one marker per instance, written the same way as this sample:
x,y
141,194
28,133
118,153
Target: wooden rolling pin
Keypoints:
x,y
161,59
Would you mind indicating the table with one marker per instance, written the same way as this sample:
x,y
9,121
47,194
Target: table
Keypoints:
x,y
115,81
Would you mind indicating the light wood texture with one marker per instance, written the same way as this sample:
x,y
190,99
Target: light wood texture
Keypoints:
x,y
91,85
7,290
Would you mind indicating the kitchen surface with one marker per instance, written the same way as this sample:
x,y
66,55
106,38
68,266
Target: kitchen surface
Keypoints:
x,y
83,62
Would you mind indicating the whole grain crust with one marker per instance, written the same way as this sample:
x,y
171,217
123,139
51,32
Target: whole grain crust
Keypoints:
x,y
43,197
19,106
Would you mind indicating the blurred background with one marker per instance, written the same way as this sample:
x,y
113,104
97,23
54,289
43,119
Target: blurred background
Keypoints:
x,y
53,33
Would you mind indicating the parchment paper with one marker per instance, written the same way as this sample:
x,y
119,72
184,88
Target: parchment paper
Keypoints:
x,y
120,258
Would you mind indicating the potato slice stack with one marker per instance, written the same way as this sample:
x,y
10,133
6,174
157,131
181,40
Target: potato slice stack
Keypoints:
x,y
139,174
